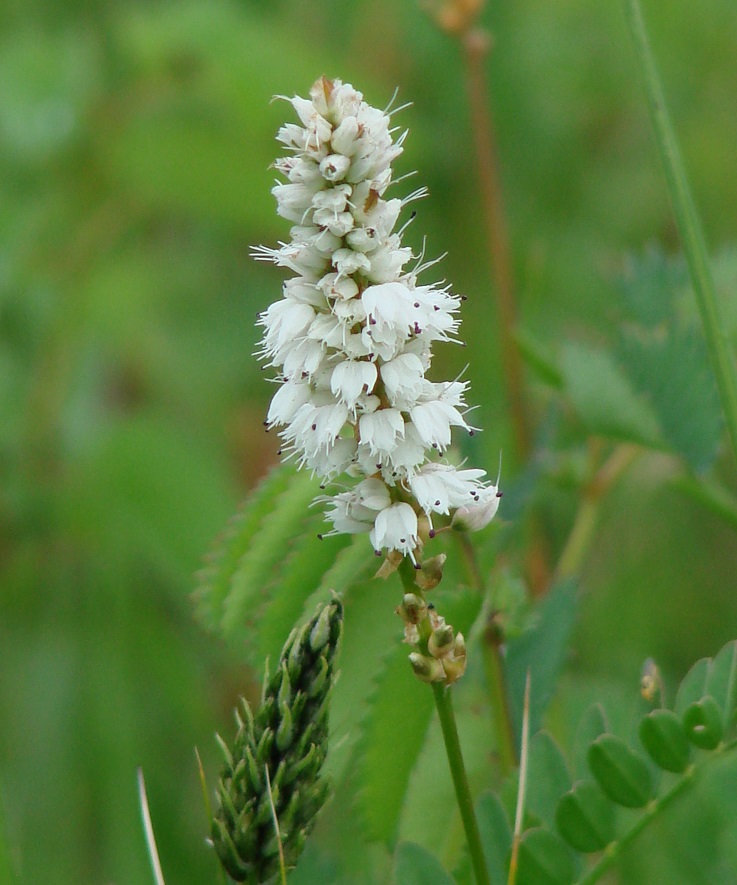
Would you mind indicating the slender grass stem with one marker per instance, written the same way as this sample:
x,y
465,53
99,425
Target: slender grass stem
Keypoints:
x,y
148,830
444,705
689,225
519,814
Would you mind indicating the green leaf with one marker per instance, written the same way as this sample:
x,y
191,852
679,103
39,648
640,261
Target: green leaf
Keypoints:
x,y
649,284
664,739
702,722
544,859
604,398
539,358
415,865
393,734
496,836
542,650
547,778
242,563
592,724
298,585
693,686
371,633
585,817
671,371
620,772
721,681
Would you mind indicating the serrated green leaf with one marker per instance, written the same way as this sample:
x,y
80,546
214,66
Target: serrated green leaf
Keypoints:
x,y
664,739
393,734
547,779
544,859
542,650
265,552
702,722
585,817
394,729
214,580
649,285
604,397
621,773
415,865
721,681
693,686
671,371
292,593
371,632
592,724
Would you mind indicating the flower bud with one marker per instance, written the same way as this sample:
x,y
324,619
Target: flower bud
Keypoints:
x,y
426,668
453,668
479,513
441,641
413,608
431,572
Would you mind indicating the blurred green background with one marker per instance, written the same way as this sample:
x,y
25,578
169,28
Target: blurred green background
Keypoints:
x,y
135,143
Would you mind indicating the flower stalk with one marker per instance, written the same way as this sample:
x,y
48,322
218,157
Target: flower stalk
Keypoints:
x,y
444,706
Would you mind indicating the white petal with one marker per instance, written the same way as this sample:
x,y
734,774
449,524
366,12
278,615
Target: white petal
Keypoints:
x,y
287,400
380,430
396,529
402,379
351,378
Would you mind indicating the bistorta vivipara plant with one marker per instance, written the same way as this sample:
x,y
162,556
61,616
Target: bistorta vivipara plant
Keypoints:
x,y
351,339
351,342
271,787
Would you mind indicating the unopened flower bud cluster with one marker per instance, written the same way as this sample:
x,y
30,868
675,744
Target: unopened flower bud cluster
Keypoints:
x,y
351,339
440,652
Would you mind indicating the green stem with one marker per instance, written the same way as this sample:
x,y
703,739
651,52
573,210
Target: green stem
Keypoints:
x,y
494,669
614,850
460,781
587,516
689,226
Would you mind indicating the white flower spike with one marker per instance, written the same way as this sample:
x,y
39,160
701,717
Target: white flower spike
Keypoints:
x,y
351,339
